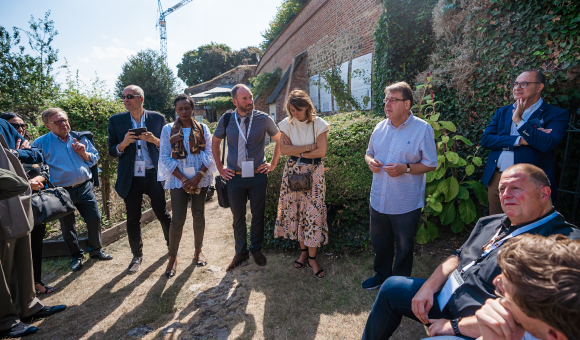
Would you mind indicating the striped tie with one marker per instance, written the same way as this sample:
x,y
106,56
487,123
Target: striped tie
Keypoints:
x,y
242,142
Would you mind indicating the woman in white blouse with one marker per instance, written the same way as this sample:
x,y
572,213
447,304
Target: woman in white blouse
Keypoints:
x,y
302,214
186,165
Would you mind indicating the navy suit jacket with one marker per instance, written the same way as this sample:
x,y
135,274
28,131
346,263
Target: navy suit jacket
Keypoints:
x,y
119,125
540,152
27,156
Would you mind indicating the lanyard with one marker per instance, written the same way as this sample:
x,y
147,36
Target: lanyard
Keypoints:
x,y
249,127
135,126
498,243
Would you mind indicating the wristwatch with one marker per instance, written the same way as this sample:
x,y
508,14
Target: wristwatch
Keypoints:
x,y
408,168
15,153
455,326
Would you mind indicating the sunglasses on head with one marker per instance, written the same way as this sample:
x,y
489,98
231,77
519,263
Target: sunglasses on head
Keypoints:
x,y
130,96
18,126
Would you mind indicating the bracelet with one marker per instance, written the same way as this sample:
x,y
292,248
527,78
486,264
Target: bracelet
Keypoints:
x,y
183,180
201,172
302,154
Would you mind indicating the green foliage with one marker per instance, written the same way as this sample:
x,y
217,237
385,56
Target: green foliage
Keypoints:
x,y
26,81
209,61
403,41
218,103
447,194
148,70
348,184
286,12
265,82
340,90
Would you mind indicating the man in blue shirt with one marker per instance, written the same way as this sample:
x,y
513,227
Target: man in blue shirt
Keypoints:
x,y
70,161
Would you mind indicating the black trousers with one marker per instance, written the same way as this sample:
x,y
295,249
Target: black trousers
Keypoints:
x,y
149,186
239,191
386,230
36,239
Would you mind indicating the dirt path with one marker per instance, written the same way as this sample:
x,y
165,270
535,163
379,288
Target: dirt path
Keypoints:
x,y
252,302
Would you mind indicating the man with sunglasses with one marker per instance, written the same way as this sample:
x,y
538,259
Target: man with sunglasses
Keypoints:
x,y
70,161
539,294
400,152
526,131
448,300
138,151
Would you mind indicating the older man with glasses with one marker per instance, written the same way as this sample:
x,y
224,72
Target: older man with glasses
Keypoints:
x,y
526,131
69,161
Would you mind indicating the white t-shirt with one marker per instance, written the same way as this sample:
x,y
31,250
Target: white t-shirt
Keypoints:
x,y
301,133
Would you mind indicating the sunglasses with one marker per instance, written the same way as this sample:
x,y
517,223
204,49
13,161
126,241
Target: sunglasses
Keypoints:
x,y
18,126
130,96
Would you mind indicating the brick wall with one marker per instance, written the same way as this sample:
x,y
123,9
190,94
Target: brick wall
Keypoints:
x,y
332,31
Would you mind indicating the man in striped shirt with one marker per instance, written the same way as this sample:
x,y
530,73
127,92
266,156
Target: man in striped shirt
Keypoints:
x,y
401,151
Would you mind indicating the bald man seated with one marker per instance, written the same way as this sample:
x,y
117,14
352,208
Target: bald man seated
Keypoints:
x,y
448,300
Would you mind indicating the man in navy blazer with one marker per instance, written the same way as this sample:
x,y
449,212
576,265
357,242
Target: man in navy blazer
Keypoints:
x,y
527,131
137,171
19,146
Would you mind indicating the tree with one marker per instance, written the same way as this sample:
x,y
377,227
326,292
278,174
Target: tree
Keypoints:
x,y
26,81
286,12
209,61
148,70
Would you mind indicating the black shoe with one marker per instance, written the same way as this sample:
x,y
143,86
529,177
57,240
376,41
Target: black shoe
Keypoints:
x,y
76,264
259,258
17,331
44,312
101,255
135,264
372,283
238,260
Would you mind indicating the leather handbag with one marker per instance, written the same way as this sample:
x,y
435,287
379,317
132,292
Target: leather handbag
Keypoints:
x,y
220,183
301,182
15,212
51,204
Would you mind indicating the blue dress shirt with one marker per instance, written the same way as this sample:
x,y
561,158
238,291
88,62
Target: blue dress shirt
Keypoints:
x,y
67,167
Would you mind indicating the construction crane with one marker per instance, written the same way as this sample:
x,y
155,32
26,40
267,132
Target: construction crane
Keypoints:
x,y
162,24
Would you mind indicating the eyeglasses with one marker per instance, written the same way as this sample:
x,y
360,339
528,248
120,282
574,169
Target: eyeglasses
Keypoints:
x,y
524,84
18,126
60,122
130,96
392,100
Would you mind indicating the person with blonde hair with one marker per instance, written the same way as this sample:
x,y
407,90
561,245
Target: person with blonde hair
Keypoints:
x,y
301,208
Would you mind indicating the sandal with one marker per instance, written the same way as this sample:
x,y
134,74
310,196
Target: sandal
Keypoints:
x,y
200,259
300,264
318,272
47,289
171,273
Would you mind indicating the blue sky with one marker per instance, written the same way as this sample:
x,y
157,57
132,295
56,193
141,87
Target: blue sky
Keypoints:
x,y
98,36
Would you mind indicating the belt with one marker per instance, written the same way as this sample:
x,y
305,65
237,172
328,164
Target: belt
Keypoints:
x,y
76,185
313,161
256,171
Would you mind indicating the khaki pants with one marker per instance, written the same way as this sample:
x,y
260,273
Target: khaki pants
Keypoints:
x,y
493,194
179,199
17,295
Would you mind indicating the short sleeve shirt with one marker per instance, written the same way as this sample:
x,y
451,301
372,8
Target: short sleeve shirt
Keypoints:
x,y
262,124
303,133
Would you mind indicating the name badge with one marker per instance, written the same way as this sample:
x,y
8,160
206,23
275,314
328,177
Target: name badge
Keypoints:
x,y
189,172
453,282
248,168
139,169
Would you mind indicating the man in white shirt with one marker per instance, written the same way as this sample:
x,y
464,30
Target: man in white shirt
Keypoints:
x,y
540,295
401,151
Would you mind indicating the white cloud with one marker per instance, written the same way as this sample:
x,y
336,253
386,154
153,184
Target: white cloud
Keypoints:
x,y
103,36
117,41
84,60
111,52
148,42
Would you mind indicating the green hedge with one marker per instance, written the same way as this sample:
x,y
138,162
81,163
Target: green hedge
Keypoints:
x,y
348,185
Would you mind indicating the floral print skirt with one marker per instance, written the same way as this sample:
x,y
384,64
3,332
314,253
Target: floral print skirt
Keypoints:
x,y
302,214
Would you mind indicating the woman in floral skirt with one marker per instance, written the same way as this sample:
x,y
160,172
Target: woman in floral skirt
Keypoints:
x,y
302,214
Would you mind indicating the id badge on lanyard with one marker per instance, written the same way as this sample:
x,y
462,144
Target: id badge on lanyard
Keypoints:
x,y
248,167
139,170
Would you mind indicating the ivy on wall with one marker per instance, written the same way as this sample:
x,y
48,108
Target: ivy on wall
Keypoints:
x,y
218,103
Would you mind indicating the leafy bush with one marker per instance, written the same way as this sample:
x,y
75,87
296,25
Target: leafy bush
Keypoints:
x,y
265,82
218,103
348,185
286,12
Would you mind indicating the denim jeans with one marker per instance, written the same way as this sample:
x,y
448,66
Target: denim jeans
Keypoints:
x,y
387,230
85,201
394,302
239,191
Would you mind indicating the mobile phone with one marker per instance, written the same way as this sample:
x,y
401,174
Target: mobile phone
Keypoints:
x,y
138,131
